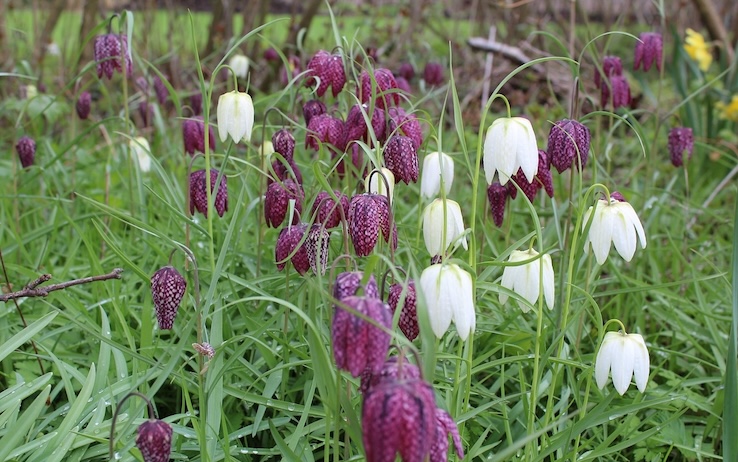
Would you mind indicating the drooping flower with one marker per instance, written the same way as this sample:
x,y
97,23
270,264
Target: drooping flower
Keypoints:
x,y
324,129
198,192
611,66
403,85
437,166
626,355
357,129
111,53
542,179
620,92
290,245
445,425
401,122
277,200
162,94
289,70
568,144
614,222
401,158
83,105
368,215
497,196
729,111
154,440
141,152
406,71
698,49
510,144
271,55
167,289
358,343
408,321
196,103
681,139
348,284
398,416
328,70
26,149
283,142
380,87
433,74
327,211
443,226
193,133
649,50
526,279
449,295
240,65
235,116
380,181
284,169
313,108
316,245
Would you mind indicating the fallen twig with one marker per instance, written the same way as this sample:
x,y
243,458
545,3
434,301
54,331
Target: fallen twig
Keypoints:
x,y
32,289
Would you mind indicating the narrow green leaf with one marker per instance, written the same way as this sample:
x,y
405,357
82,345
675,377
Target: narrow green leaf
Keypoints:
x,y
25,335
23,424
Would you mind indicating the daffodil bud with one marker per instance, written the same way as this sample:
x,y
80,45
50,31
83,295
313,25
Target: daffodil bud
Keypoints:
x,y
443,225
235,116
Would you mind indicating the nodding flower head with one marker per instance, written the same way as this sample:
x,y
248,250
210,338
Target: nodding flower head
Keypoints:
x,y
313,108
568,144
649,50
198,192
291,245
497,195
26,149
348,284
406,71
111,54
83,105
445,425
433,74
162,94
681,139
360,334
167,289
154,440
317,244
401,158
368,215
193,133
327,211
284,143
356,128
611,66
403,123
620,92
328,69
324,129
277,199
380,87
408,322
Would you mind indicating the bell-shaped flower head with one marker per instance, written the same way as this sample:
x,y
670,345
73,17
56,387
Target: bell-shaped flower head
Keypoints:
x,y
649,50
626,355
360,334
681,139
448,292
443,225
141,152
614,222
436,166
525,280
235,116
510,145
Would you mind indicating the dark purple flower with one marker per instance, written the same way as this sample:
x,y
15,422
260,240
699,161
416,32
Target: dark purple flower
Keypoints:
x,y
356,128
270,54
381,87
497,195
358,343
323,129
290,70
433,74
445,425
620,92
368,215
290,244
313,108
284,171
146,111
401,158
284,143
680,139
198,192
205,349
26,149
329,213
649,49
142,84
398,415
406,71
111,53
328,68
393,369
403,85
196,103
357,160
167,289
154,440
162,94
403,123
611,66
193,133
618,196
316,246
544,173
568,144
348,283
409,314
83,105
277,200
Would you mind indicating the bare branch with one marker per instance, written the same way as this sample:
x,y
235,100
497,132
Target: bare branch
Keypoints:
x,y
32,289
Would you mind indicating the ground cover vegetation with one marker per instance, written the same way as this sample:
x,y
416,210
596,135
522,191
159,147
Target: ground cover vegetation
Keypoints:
x,y
320,253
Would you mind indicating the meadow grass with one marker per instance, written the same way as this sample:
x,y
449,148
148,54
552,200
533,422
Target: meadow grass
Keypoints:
x,y
521,388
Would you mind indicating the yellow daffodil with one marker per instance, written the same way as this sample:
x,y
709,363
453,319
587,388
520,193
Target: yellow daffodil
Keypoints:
x,y
698,49
729,111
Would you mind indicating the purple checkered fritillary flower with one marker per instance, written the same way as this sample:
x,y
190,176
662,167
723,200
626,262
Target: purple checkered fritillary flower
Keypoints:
x,y
358,343
154,440
198,192
167,289
111,54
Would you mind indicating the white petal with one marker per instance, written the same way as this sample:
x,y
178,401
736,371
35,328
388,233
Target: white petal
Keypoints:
x,y
447,171
600,233
528,286
527,148
223,119
248,117
438,314
622,365
623,234
548,281
432,231
641,363
632,217
604,360
464,315
489,153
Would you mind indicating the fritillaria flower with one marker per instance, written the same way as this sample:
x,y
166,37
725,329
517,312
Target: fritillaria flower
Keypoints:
x,y
626,355
542,179
406,71
401,158
327,211
161,90
167,289
449,295
568,144
437,166
613,222
360,334
196,103
380,86
398,416
382,182
357,129
348,284
681,139
368,215
510,145
316,246
526,279
283,142
649,50
433,74
290,245
205,349
277,200
198,192
445,425
83,105
497,196
443,226
141,152
313,108
401,122
193,133
154,440
26,149
404,298
611,66
235,116
328,70
619,88
111,54
240,65
323,129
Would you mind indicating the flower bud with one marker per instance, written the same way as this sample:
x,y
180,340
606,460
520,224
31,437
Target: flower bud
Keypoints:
x,y
433,74
198,192
26,149
154,440
681,139
83,105
111,54
401,158
167,289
